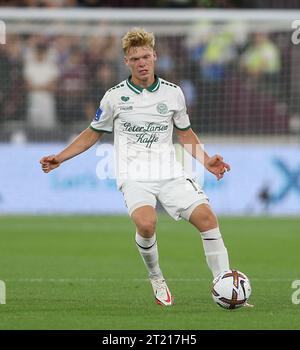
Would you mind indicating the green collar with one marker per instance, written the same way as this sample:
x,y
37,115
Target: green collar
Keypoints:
x,y
137,89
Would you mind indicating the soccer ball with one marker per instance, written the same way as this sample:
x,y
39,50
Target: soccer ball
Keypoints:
x,y
231,289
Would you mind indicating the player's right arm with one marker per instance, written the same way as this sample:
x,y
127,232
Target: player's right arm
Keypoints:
x,y
102,123
82,143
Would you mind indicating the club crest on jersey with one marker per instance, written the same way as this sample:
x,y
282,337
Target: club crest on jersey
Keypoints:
x,y
98,114
162,108
124,98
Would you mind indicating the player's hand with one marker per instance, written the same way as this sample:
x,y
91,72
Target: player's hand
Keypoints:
x,y
216,166
49,163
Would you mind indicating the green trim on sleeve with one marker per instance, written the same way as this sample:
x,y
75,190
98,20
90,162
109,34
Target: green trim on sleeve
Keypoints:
x,y
99,130
184,129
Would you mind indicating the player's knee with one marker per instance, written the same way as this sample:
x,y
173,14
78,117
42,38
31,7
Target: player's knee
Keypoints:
x,y
204,219
146,227
209,220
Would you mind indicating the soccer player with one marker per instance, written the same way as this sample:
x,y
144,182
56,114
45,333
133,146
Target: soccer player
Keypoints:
x,y
143,111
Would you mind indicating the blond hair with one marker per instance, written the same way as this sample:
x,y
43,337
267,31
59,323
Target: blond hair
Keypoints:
x,y
137,37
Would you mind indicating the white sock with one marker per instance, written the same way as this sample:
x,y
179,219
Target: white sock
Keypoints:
x,y
215,251
149,252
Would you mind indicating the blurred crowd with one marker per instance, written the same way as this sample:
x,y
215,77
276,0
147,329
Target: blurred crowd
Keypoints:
x,y
283,4
233,83
56,80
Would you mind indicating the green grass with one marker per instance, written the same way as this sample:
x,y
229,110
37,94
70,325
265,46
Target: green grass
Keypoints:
x,y
84,272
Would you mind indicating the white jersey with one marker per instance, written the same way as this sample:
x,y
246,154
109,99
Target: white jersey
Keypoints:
x,y
142,121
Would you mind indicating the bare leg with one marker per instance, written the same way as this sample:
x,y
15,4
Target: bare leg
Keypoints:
x,y
145,219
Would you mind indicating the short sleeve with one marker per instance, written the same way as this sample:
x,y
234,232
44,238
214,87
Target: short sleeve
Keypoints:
x,y
103,120
180,117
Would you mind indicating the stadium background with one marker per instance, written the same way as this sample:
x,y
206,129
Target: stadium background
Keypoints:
x,y
239,72
238,64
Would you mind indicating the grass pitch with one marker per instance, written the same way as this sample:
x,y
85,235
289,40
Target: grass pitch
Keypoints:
x,y
84,272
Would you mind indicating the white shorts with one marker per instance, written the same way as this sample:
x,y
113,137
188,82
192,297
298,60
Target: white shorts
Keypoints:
x,y
179,196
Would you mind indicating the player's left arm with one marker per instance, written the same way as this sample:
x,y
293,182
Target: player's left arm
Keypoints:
x,y
190,141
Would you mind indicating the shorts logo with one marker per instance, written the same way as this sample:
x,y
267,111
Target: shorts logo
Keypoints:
x,y
162,108
125,98
98,114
